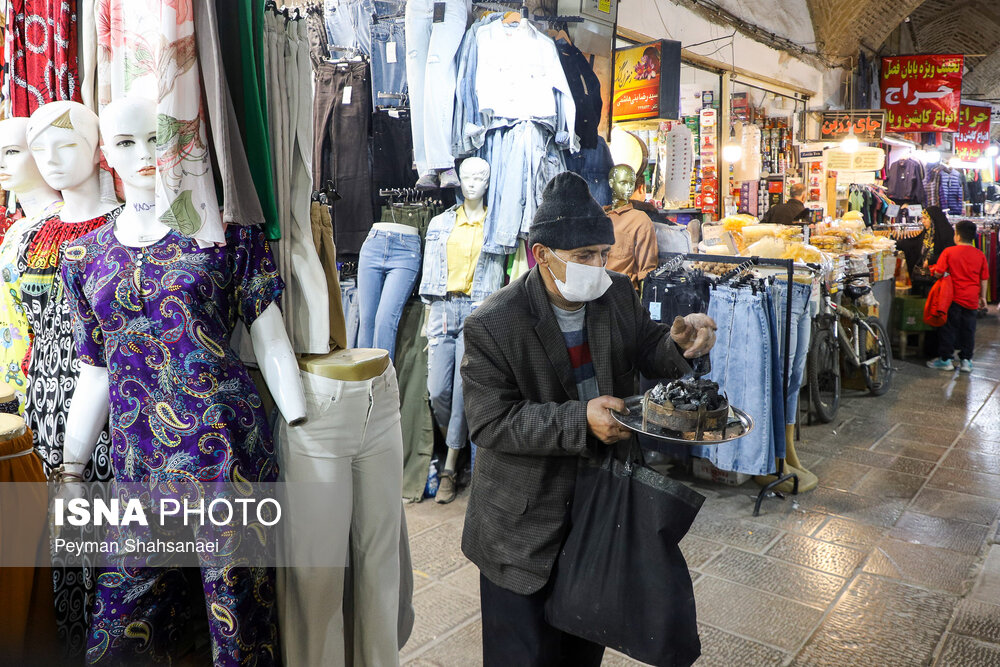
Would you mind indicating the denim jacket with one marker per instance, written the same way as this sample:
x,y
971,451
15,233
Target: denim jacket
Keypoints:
x,y
488,276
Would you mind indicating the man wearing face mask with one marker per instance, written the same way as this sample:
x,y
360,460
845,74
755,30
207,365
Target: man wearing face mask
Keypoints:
x,y
546,358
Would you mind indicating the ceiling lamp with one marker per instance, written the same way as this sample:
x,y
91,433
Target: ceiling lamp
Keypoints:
x,y
933,157
992,150
732,151
850,143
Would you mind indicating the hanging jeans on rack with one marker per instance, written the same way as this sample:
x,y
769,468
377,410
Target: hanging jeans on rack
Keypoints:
x,y
446,347
431,72
387,271
392,154
675,295
798,347
743,365
342,120
388,59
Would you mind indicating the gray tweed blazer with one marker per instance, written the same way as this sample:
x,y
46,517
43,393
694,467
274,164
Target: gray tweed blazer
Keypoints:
x,y
531,431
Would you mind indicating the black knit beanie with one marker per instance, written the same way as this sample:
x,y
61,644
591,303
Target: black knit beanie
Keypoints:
x,y
569,217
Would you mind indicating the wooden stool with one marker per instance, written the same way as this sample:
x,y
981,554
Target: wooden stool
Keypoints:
x,y
904,340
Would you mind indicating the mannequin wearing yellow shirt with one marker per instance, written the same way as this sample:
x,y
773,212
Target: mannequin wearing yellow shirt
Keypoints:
x,y
453,284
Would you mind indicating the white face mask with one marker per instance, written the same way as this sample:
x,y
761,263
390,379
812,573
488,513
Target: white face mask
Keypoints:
x,y
583,281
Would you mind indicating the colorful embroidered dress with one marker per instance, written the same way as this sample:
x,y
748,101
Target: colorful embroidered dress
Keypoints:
x,y
13,322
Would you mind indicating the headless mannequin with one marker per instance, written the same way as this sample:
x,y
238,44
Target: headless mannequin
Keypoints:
x,y
19,173
68,161
129,129
475,182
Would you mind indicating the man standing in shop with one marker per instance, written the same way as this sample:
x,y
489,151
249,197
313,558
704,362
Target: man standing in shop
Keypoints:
x,y
793,211
546,359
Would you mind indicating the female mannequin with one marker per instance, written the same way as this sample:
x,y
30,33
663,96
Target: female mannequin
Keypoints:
x,y
63,138
18,174
141,292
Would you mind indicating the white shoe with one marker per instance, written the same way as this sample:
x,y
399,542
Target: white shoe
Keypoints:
x,y
966,366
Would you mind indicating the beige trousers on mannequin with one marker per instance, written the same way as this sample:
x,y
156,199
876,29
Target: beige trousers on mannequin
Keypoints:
x,y
352,442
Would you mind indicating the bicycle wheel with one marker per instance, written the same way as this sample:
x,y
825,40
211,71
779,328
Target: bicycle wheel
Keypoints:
x,y
878,375
824,372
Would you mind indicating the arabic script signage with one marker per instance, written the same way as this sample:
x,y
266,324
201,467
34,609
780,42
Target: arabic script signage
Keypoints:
x,y
868,125
647,81
922,93
973,135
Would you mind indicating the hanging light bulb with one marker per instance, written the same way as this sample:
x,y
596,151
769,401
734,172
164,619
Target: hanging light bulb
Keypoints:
x,y
992,150
933,157
732,151
850,143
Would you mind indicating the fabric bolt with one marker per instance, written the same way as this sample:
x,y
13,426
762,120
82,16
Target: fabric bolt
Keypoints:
x,y
27,618
431,73
322,229
573,324
594,165
958,333
388,61
240,203
392,154
800,334
635,252
342,120
465,244
352,442
14,329
125,298
152,47
586,90
489,273
43,54
352,318
742,365
446,348
387,271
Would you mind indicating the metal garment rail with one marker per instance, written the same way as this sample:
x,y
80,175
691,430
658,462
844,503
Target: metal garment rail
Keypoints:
x,y
789,266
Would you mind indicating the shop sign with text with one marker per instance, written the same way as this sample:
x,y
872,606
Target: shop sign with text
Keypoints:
x,y
922,93
647,81
868,125
973,135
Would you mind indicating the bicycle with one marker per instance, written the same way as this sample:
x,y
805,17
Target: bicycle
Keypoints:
x,y
863,341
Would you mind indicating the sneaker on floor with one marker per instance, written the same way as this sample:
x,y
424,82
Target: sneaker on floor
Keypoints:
x,y
966,366
941,364
428,181
447,489
449,179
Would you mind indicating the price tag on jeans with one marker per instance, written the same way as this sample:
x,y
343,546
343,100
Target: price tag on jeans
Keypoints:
x,y
390,52
439,12
347,95
655,311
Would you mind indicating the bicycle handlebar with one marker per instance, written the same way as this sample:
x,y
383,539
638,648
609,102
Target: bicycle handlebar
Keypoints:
x,y
855,276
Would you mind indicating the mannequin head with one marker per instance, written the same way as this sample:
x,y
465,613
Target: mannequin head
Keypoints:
x,y
475,176
128,132
622,181
63,138
18,171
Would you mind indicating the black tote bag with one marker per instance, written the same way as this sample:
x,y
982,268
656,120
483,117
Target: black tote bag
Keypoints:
x,y
620,579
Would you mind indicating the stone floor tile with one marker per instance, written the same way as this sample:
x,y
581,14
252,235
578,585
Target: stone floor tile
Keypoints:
x,y
818,555
439,609
888,484
809,587
974,443
882,512
737,532
879,622
750,613
465,579
698,551
866,457
848,533
959,650
967,538
786,515
463,648
837,473
951,505
977,619
987,588
438,551
966,459
966,481
722,649
615,659
929,567
909,449
927,435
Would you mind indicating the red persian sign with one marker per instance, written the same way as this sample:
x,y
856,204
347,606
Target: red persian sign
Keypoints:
x,y
973,135
922,93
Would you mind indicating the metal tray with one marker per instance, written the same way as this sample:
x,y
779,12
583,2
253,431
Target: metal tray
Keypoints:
x,y
739,425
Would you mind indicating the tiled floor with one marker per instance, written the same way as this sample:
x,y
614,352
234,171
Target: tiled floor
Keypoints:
x,y
889,562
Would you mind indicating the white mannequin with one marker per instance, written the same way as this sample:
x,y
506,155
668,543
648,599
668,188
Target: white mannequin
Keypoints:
x,y
129,130
63,137
474,174
19,173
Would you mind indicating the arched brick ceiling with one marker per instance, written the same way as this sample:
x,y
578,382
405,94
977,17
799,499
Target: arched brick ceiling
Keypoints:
x,y
962,26
841,26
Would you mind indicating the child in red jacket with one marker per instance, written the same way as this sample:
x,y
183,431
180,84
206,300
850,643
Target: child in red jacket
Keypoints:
x,y
969,272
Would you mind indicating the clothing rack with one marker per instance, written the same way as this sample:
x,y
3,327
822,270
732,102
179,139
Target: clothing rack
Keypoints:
x,y
789,266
